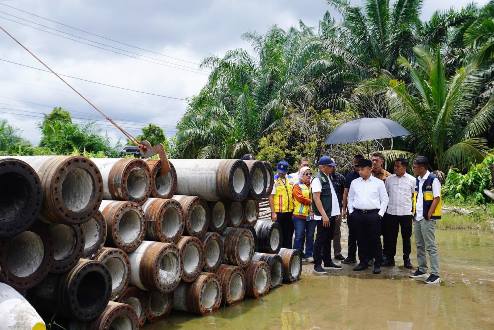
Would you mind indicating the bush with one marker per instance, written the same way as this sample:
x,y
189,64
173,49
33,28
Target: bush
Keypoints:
x,y
470,186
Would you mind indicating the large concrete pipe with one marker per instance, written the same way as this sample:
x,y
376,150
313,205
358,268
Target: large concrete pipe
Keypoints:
x,y
251,212
292,264
68,245
213,251
117,263
155,266
270,176
192,256
125,225
125,179
196,215
164,220
26,258
232,281
162,186
81,294
16,312
20,196
275,264
201,297
258,178
94,233
212,179
137,299
258,279
158,306
235,213
239,246
268,236
116,316
218,216
72,187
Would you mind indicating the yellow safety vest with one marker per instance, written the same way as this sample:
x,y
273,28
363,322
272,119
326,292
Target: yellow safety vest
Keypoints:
x,y
283,199
299,209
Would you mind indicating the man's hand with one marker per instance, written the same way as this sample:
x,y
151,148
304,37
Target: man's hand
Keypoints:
x,y
274,216
429,215
325,221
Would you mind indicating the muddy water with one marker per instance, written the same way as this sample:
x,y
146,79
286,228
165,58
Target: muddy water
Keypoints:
x,y
346,300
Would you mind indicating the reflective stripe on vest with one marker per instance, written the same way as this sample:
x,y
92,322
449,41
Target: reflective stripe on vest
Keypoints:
x,y
283,200
427,198
300,209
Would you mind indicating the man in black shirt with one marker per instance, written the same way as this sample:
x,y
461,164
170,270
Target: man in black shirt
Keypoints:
x,y
352,238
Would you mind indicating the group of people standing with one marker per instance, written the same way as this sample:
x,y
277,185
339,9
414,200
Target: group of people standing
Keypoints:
x,y
375,203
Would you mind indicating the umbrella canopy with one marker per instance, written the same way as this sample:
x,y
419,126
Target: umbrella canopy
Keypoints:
x,y
366,129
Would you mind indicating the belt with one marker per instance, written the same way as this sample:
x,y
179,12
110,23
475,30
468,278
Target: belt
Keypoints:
x,y
367,211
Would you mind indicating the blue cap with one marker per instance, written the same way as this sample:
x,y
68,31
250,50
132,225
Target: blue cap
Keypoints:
x,y
326,160
282,166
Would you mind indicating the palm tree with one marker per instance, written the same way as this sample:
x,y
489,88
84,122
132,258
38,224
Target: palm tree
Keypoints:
x,y
439,112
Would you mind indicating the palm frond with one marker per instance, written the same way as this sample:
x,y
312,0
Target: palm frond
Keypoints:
x,y
482,121
464,153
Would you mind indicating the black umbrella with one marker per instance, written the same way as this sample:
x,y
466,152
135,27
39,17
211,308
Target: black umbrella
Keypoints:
x,y
366,129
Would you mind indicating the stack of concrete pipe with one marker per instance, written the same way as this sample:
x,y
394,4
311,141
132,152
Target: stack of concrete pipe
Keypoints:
x,y
114,243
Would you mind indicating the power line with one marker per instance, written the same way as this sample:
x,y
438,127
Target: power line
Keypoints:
x,y
127,54
97,35
95,82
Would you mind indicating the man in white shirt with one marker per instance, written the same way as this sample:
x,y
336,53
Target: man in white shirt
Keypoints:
x,y
427,212
367,202
326,208
400,187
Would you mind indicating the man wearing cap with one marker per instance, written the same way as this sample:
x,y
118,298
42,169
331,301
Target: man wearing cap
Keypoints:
x,y
326,208
281,203
367,202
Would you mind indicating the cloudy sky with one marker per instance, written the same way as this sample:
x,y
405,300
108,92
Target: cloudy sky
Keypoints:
x,y
152,47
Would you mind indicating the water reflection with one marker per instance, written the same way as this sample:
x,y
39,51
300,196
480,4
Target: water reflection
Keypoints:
x,y
392,301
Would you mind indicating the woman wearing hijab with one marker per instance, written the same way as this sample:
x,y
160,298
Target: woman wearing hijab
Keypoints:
x,y
302,205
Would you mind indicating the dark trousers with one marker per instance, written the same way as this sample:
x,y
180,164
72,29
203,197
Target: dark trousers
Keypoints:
x,y
391,224
322,245
369,236
352,236
286,224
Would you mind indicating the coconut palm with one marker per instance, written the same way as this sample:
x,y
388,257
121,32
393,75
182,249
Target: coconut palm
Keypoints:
x,y
439,112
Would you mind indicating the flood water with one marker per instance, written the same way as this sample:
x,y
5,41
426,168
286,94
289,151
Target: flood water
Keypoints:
x,y
350,300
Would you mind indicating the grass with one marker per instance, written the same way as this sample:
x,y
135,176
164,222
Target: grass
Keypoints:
x,y
481,218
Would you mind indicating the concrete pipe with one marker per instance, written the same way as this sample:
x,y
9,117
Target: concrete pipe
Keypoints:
x,y
125,225
253,232
116,316
68,245
232,281
275,264
162,186
20,196
72,187
81,294
196,215
257,279
158,306
258,178
138,300
239,246
218,221
235,214
16,312
118,264
270,176
268,236
26,258
125,179
164,220
155,266
292,264
201,297
213,251
251,212
212,179
192,256
94,233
